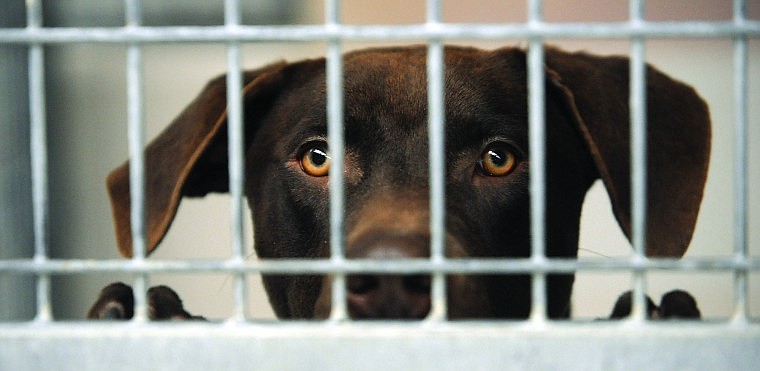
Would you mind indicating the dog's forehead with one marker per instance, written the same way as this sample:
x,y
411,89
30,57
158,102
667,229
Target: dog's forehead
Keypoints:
x,y
385,98
385,85
401,73
390,85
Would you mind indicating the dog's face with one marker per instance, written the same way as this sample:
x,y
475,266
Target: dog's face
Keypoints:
x,y
386,172
386,175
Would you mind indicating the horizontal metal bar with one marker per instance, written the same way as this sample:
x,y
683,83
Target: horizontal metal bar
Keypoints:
x,y
380,32
600,345
406,266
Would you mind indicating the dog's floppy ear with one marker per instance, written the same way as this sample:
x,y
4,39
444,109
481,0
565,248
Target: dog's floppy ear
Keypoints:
x,y
189,158
596,92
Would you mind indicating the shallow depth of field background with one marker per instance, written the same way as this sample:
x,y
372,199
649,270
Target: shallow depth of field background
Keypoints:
x,y
87,138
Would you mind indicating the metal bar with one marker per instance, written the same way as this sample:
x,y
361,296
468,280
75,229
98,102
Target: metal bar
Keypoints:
x,y
38,144
335,130
537,138
741,133
407,266
235,150
136,134
601,345
638,132
232,14
437,162
136,137
448,31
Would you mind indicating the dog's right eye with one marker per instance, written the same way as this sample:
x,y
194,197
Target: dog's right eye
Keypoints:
x,y
315,160
497,160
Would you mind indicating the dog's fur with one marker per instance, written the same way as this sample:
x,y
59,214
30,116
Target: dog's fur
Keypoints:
x,y
386,171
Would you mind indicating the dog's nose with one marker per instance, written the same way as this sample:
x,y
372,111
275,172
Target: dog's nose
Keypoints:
x,y
388,297
378,296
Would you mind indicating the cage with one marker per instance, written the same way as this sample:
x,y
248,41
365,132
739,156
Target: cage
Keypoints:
x,y
87,82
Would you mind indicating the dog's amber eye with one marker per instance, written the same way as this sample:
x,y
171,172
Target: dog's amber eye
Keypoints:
x,y
315,160
497,160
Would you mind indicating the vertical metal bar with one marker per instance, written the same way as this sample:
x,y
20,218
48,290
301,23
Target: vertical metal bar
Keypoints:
x,y
433,11
741,133
638,134
38,139
136,129
537,139
235,149
437,158
232,14
337,151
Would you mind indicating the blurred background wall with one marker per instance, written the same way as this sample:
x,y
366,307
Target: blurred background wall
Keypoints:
x,y
16,232
87,138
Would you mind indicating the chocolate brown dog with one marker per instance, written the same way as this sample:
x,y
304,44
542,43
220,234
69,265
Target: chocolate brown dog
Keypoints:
x,y
386,172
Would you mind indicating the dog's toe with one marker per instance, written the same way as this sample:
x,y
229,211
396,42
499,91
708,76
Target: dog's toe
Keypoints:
x,y
116,302
679,304
165,304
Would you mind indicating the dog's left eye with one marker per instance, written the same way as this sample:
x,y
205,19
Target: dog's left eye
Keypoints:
x,y
315,160
497,160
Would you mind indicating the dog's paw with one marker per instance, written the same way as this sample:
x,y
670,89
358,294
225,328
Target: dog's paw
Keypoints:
x,y
116,302
673,305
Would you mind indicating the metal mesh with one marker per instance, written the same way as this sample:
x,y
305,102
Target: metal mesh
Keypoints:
x,y
241,342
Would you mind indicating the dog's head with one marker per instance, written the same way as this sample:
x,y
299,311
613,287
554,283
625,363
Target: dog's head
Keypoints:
x,y
386,170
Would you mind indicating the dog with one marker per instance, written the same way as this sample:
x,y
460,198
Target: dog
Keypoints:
x,y
287,162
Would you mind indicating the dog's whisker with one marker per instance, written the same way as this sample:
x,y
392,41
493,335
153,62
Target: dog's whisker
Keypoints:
x,y
596,253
